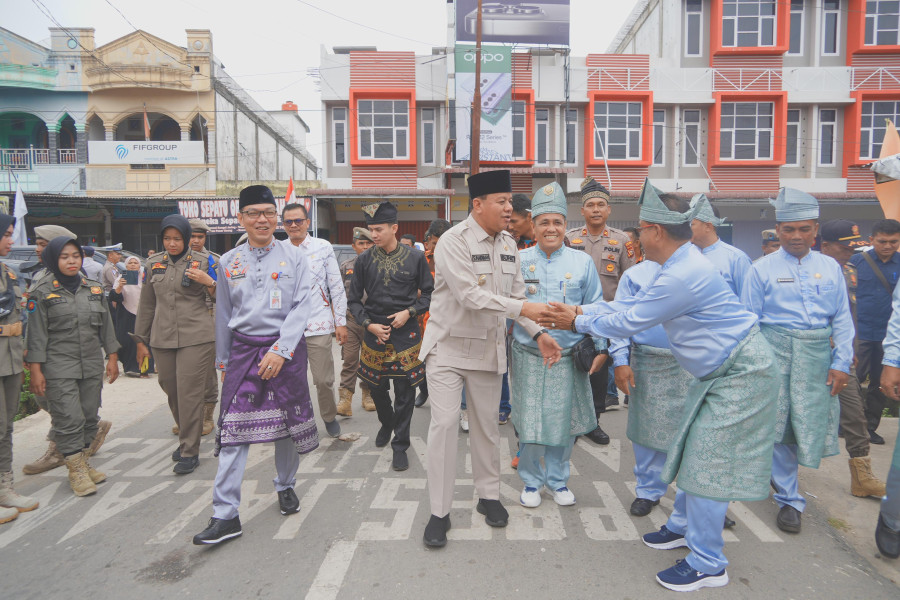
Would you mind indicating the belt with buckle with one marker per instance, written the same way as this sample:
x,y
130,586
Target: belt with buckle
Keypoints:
x,y
11,330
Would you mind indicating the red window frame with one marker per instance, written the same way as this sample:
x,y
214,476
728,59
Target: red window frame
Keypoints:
x,y
646,100
779,132
382,94
782,33
856,33
853,125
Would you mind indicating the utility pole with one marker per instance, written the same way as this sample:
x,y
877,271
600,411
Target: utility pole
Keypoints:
x,y
475,153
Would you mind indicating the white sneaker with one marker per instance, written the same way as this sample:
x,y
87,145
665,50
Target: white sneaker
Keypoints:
x,y
464,420
563,496
530,498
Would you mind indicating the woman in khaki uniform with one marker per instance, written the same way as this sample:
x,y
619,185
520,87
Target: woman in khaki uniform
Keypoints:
x,y
174,320
69,327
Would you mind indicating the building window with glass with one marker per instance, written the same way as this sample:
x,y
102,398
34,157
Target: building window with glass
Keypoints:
x,y
518,129
383,129
882,22
571,136
746,130
873,126
691,154
831,23
659,137
792,144
748,23
693,27
428,136
827,127
617,130
339,134
796,45
542,135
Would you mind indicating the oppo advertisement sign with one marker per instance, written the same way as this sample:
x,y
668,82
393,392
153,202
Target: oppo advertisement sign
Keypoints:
x,y
496,102
515,21
145,153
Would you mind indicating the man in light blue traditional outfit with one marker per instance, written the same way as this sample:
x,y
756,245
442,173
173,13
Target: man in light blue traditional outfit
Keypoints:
x,y
657,385
801,300
887,532
722,448
731,262
552,406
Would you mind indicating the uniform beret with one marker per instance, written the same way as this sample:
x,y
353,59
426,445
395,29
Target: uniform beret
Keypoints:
x,y
48,232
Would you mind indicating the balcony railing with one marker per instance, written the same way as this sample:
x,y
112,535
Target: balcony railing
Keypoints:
x,y
23,159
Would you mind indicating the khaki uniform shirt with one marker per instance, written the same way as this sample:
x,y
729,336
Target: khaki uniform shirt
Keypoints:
x,y
11,347
169,314
68,332
108,276
478,285
612,252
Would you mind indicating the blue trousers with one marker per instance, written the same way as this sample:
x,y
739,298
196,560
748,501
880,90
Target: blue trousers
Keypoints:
x,y
700,521
233,459
504,396
648,466
784,476
611,389
890,504
554,473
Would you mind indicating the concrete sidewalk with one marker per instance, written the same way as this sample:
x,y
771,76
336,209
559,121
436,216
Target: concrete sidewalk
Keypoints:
x,y
827,489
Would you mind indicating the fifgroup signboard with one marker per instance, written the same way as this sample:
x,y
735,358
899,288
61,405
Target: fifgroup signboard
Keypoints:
x,y
145,153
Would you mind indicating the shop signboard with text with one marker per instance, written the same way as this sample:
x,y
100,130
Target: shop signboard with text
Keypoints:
x,y
145,153
496,102
221,215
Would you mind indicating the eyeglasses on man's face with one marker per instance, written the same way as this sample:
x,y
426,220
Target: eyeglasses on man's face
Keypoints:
x,y
255,214
290,222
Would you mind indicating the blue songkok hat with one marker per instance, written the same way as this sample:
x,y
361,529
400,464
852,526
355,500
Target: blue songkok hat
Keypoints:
x,y
654,211
549,199
700,204
794,205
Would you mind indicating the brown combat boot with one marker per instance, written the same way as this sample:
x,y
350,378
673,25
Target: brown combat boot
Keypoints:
x,y
51,459
79,478
367,402
103,428
10,499
209,411
862,481
7,514
344,407
95,475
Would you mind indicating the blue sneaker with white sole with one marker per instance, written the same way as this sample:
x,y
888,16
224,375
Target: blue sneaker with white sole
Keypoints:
x,y
682,577
664,539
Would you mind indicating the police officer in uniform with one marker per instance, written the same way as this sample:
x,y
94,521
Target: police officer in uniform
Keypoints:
x,y
478,285
173,320
52,458
362,241
613,252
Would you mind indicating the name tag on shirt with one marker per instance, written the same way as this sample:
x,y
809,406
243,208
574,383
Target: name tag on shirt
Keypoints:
x,y
481,258
508,258
785,280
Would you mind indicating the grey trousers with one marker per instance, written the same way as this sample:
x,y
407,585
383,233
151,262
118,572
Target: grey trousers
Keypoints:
x,y
853,418
233,459
42,403
183,374
321,363
75,411
10,389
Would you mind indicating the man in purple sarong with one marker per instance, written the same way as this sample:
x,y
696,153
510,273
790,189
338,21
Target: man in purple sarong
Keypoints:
x,y
261,312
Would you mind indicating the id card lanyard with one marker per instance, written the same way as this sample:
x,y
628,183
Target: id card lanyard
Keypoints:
x,y
275,294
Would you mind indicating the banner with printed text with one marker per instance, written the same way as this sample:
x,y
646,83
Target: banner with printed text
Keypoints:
x,y
496,102
221,215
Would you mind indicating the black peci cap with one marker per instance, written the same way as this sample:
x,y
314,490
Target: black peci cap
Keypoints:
x,y
489,182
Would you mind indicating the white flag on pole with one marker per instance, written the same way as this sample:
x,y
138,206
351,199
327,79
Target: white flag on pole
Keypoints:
x,y
19,211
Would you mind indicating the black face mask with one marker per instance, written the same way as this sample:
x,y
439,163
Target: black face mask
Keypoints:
x,y
51,260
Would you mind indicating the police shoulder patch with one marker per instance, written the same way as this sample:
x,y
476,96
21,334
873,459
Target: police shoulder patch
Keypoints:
x,y
31,306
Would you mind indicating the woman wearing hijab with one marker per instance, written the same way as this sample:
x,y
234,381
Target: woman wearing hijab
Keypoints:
x,y
126,296
69,328
174,321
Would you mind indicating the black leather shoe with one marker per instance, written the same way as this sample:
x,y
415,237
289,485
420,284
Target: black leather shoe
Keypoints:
x,y
494,513
421,399
641,507
598,436
288,502
186,465
874,438
400,462
612,402
436,531
176,456
887,540
729,523
383,437
789,519
219,530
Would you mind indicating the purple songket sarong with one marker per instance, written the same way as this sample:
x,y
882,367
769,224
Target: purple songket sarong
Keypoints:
x,y
255,411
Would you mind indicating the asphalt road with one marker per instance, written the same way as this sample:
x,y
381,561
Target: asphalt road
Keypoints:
x,y
359,533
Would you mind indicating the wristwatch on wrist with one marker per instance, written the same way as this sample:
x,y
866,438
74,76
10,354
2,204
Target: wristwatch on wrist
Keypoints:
x,y
573,326
539,334
412,311
366,323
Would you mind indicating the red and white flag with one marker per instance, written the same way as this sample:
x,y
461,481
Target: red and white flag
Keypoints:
x,y
289,197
